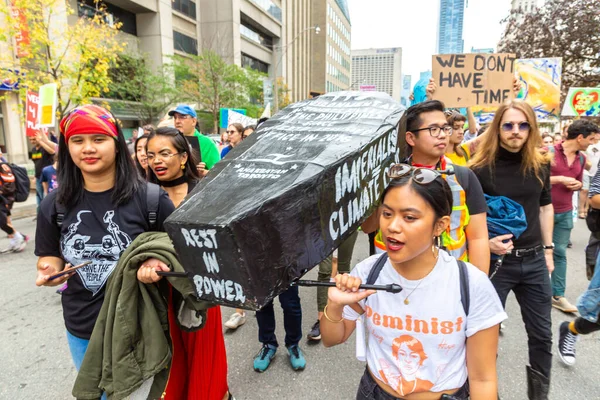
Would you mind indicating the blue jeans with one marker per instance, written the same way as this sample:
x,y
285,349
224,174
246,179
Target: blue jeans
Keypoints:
x,y
39,192
78,347
292,319
563,224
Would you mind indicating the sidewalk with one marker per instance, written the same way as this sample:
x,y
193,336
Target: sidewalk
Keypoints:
x,y
25,209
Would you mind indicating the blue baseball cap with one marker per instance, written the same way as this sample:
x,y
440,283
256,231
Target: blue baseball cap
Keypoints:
x,y
184,109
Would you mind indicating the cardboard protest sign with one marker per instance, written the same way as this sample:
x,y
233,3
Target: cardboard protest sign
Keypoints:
x,y
473,79
540,87
31,115
286,197
47,105
582,102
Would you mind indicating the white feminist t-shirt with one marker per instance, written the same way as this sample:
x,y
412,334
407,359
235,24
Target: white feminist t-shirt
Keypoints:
x,y
420,346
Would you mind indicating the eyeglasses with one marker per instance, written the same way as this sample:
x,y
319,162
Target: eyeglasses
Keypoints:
x,y
509,126
435,131
230,132
161,156
422,176
180,116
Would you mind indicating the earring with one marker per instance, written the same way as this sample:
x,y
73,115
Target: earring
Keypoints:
x,y
182,167
436,244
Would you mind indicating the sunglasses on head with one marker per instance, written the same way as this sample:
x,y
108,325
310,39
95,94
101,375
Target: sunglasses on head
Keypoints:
x,y
422,176
509,126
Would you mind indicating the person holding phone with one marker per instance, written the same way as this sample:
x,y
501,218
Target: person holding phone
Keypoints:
x,y
438,337
99,208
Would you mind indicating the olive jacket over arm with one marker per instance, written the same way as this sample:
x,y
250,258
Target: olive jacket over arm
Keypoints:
x,y
130,344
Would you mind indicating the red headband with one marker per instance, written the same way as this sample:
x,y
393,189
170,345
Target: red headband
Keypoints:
x,y
86,120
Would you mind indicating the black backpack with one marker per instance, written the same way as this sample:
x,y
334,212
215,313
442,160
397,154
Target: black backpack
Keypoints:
x,y
152,200
465,297
22,183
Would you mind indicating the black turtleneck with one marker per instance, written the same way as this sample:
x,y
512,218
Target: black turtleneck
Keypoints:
x,y
508,180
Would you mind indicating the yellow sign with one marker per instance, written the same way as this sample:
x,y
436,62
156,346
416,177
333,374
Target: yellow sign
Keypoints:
x,y
47,105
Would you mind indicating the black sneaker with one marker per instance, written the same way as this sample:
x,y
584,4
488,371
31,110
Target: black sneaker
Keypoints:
x,y
566,344
569,245
315,332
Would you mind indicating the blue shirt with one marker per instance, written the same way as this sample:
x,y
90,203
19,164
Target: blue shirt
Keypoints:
x,y
225,151
49,175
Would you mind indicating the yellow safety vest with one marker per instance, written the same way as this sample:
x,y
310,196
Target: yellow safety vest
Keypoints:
x,y
454,239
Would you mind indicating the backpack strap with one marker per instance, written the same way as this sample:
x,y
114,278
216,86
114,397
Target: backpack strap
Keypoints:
x,y
61,210
376,270
152,200
465,296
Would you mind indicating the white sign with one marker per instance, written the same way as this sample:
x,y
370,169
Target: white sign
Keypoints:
x,y
240,118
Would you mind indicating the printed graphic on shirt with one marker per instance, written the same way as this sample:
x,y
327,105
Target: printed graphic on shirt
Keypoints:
x,y
103,250
36,154
405,364
409,355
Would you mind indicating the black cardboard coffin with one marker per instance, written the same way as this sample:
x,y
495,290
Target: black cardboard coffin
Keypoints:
x,y
286,197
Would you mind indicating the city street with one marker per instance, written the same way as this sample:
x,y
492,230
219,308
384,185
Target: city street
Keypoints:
x,y
37,363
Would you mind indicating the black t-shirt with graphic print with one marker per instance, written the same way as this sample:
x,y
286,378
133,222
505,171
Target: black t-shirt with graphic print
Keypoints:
x,y
95,230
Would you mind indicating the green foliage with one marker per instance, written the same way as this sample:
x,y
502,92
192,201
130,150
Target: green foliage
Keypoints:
x,y
210,82
133,80
567,29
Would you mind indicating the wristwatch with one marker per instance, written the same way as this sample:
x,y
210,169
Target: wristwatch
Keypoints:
x,y
550,247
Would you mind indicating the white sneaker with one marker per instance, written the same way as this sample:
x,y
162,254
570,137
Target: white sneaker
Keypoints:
x,y
236,320
17,243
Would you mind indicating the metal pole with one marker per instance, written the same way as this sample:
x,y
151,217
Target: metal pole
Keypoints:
x,y
275,82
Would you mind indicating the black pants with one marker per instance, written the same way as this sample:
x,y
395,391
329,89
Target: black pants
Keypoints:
x,y
585,327
368,389
4,213
529,279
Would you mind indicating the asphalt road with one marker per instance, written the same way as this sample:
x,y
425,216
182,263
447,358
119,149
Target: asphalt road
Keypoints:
x,y
37,364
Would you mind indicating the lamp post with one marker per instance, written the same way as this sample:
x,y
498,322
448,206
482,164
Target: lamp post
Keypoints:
x,y
278,59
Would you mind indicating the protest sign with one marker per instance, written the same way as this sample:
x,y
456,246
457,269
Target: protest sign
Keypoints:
x,y
540,85
582,102
473,79
240,118
31,114
47,105
289,195
224,115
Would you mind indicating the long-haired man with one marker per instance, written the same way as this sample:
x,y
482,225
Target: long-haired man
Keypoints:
x,y
508,163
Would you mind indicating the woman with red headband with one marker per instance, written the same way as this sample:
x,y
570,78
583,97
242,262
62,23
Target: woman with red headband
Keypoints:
x,y
98,209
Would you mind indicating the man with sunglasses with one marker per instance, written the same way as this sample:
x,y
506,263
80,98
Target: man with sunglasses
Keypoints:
x,y
425,141
566,176
185,119
508,163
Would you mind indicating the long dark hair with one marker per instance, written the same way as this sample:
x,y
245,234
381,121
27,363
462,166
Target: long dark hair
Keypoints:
x,y
182,146
139,167
71,188
437,193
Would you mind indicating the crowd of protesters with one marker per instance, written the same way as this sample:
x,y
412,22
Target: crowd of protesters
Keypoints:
x,y
101,195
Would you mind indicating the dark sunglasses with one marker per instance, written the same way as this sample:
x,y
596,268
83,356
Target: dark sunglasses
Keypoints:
x,y
422,176
230,132
509,126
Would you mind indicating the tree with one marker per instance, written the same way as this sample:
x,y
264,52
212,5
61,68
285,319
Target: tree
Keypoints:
x,y
567,29
208,80
76,56
153,91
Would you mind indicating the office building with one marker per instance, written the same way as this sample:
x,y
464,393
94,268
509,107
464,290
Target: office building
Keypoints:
x,y
450,26
331,57
525,6
379,67
244,32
